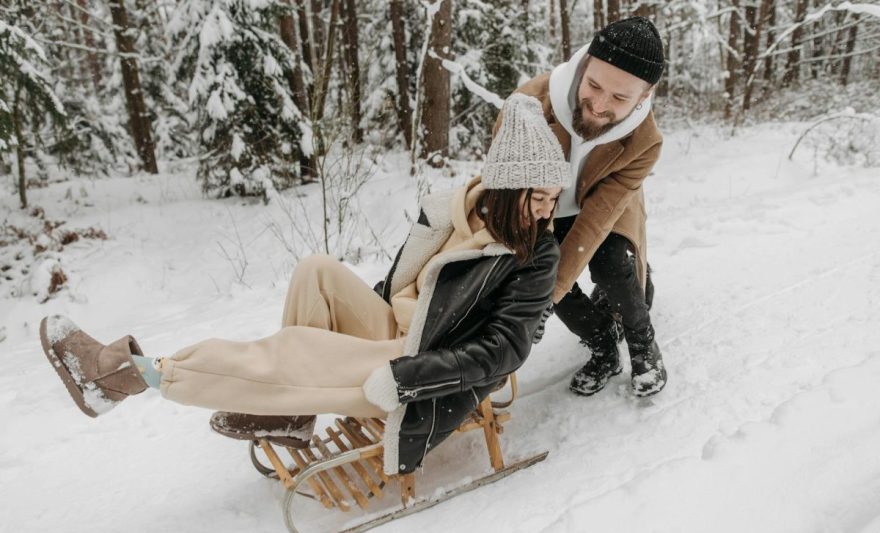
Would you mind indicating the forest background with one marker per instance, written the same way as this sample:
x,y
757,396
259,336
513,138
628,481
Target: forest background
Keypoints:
x,y
258,96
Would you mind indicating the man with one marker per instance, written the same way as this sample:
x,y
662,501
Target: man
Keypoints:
x,y
598,105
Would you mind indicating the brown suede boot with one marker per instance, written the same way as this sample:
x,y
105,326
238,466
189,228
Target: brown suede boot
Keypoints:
x,y
97,376
293,431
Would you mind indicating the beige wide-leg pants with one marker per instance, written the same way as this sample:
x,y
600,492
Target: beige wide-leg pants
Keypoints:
x,y
335,331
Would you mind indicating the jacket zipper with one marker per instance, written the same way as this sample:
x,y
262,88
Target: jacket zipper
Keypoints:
x,y
477,298
430,433
411,392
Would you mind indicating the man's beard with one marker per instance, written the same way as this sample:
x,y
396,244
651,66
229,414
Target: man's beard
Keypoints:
x,y
588,130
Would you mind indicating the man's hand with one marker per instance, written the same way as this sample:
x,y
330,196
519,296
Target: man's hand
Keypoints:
x,y
539,333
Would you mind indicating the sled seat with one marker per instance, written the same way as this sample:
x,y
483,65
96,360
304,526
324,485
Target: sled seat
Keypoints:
x,y
344,469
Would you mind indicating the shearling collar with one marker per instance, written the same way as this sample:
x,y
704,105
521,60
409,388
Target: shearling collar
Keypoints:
x,y
463,203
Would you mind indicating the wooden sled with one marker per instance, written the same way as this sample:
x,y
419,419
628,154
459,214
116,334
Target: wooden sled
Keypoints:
x,y
344,469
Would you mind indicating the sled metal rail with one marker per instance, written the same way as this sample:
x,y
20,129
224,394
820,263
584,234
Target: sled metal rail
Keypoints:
x,y
344,469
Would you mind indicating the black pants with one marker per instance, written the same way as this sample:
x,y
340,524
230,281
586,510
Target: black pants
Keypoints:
x,y
618,293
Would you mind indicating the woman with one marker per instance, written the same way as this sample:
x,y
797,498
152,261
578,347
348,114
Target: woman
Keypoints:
x,y
455,315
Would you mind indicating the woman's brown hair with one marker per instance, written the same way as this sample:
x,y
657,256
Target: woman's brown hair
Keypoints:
x,y
510,221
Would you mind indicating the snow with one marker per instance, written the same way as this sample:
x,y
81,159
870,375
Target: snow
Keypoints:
x,y
215,106
93,396
58,327
40,277
767,302
471,85
238,146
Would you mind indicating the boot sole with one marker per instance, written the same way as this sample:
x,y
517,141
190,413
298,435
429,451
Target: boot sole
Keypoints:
x,y
647,393
282,441
61,369
580,392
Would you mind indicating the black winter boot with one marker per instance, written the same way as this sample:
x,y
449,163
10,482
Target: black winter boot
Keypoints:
x,y
648,372
604,362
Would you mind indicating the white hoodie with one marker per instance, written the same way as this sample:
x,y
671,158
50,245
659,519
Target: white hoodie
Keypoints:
x,y
563,99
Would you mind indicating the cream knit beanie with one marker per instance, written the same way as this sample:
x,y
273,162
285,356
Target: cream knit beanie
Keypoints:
x,y
525,153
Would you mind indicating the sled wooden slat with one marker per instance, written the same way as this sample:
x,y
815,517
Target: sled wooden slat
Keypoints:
x,y
491,431
344,467
280,469
475,423
407,488
365,476
358,425
320,493
328,482
359,440
372,427
342,474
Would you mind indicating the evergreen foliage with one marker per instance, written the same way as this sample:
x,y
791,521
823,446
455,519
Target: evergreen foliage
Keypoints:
x,y
250,132
496,42
24,88
219,82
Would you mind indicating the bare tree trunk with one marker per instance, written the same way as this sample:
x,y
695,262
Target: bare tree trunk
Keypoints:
x,y
322,81
308,167
92,61
646,9
353,78
305,41
732,60
66,63
663,86
19,147
753,39
435,108
527,36
287,28
613,11
551,16
403,107
847,60
565,25
598,15
317,34
818,51
134,97
792,65
771,36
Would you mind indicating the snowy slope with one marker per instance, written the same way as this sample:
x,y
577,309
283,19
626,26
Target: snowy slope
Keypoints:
x,y
767,306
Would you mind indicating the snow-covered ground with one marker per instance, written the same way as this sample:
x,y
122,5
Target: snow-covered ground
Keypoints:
x,y
767,311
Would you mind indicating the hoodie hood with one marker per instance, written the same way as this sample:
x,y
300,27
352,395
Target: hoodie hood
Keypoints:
x,y
564,82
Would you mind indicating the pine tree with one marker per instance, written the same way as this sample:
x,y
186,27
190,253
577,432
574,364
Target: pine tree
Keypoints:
x,y
27,98
389,86
489,44
251,134
164,94
98,140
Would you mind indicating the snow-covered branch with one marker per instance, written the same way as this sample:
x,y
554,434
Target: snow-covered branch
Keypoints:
x,y
471,85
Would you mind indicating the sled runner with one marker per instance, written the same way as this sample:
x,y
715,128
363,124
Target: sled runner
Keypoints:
x,y
344,468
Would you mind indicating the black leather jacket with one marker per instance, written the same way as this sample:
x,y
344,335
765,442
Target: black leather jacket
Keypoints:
x,y
482,318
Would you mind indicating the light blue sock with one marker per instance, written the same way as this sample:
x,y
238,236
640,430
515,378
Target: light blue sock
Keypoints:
x,y
147,367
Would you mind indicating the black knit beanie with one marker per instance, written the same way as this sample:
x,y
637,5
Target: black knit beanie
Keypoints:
x,y
633,45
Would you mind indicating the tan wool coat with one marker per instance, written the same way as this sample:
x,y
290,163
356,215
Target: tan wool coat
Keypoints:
x,y
609,191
